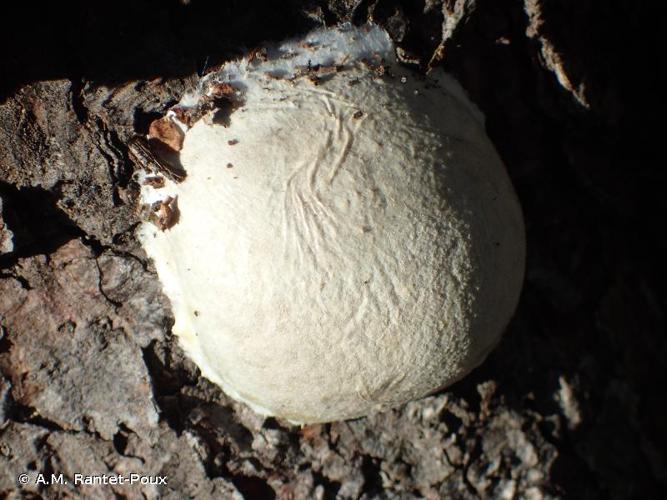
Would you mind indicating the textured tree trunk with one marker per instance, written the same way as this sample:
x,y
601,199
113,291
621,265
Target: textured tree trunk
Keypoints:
x,y
93,383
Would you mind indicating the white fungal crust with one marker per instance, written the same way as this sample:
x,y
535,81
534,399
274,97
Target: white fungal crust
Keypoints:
x,y
346,243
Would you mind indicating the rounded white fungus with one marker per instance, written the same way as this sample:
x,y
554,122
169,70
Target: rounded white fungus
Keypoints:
x,y
347,239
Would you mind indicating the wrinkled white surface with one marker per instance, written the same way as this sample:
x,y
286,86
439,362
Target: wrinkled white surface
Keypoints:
x,y
342,264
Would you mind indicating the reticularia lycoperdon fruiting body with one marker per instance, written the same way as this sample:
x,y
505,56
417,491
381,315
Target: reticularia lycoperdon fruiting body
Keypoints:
x,y
348,241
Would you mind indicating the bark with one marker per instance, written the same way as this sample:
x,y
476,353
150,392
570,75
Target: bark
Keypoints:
x,y
92,382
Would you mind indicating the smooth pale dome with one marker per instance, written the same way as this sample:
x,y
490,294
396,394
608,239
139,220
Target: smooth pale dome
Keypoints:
x,y
342,246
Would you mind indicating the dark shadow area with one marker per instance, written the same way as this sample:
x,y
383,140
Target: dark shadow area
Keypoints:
x,y
111,43
416,25
253,487
372,478
39,226
592,307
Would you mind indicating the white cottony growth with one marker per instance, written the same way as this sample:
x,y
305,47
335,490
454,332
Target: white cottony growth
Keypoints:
x,y
348,242
326,47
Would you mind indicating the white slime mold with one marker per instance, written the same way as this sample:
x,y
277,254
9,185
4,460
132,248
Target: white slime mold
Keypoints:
x,y
348,242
